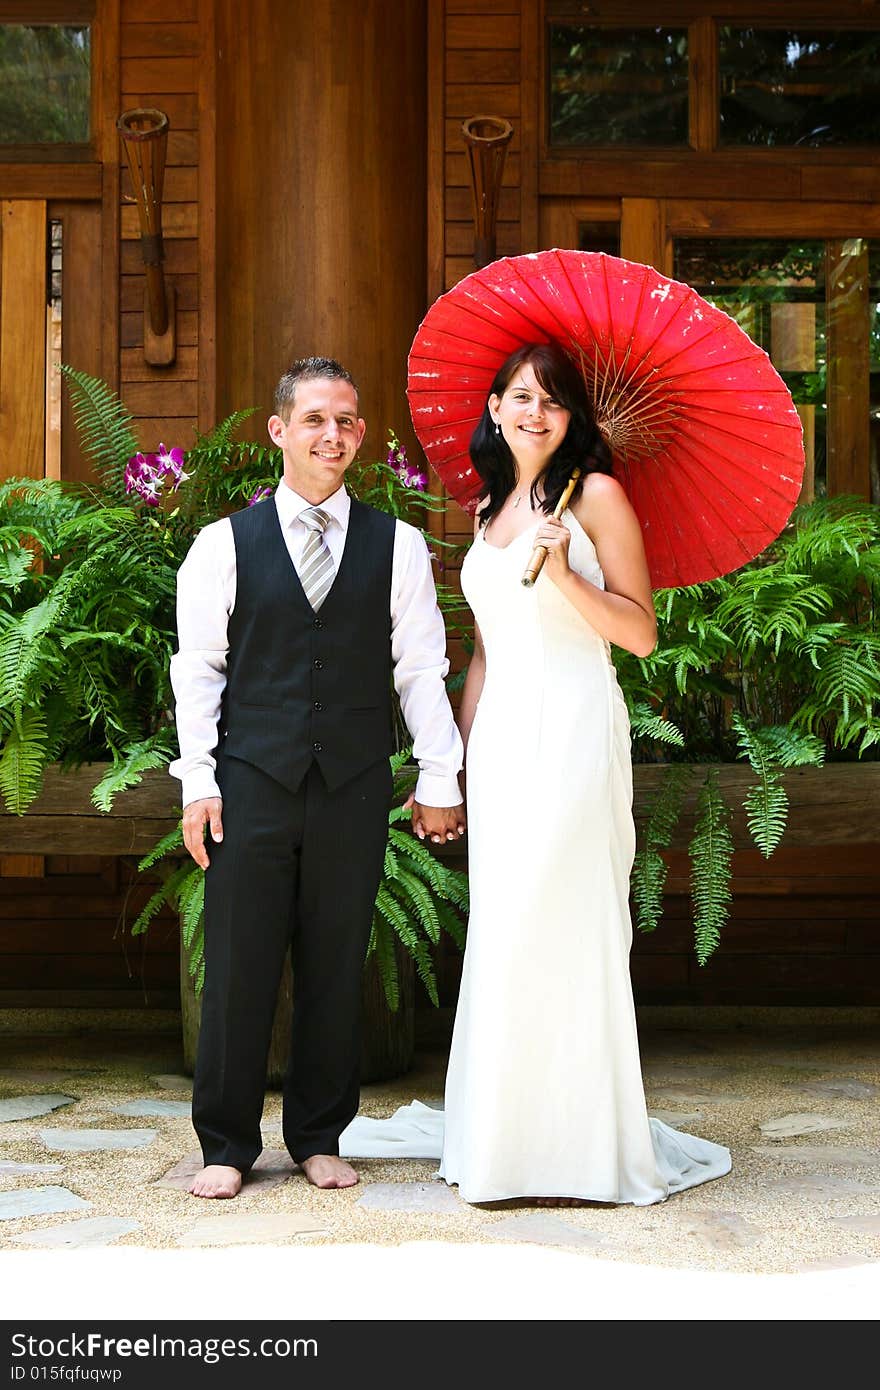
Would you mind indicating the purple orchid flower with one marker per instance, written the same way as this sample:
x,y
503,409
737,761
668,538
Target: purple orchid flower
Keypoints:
x,y
259,495
169,463
142,476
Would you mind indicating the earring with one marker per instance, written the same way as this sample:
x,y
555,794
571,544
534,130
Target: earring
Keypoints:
x,y
497,427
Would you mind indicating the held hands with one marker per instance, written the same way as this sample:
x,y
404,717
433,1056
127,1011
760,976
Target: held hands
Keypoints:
x,y
439,823
555,538
196,816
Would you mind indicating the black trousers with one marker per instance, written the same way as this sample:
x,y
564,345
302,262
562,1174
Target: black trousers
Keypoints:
x,y
298,869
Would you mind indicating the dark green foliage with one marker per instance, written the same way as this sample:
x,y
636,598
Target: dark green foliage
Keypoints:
x,y
778,664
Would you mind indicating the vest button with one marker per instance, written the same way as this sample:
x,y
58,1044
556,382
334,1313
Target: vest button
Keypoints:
x,y
318,664
319,622
317,705
317,747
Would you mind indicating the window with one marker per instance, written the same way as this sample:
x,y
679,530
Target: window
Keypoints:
x,y
799,86
617,86
45,84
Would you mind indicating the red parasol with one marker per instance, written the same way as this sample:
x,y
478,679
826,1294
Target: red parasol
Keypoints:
x,y
703,431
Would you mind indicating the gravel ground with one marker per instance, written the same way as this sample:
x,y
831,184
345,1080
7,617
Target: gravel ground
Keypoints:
x,y
807,1201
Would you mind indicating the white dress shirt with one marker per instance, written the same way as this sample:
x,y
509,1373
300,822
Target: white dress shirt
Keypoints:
x,y
206,587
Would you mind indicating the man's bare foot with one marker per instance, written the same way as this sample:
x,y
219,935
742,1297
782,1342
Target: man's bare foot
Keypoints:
x,y
216,1181
328,1170
560,1201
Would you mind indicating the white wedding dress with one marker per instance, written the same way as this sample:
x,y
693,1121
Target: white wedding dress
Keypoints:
x,y
544,1092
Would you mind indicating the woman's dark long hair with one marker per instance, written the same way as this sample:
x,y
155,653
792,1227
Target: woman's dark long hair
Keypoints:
x,y
583,445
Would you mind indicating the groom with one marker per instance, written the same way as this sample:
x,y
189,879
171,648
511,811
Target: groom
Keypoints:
x,y
294,615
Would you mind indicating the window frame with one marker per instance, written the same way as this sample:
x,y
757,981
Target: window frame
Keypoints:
x,y
69,13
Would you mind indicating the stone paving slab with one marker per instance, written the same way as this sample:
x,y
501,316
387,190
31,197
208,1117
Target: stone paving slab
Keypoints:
x,y
251,1228
840,1155
30,1076
411,1196
95,1140
170,1081
689,1096
821,1185
674,1118
868,1225
789,1126
272,1168
848,1087
723,1230
7,1166
174,1108
80,1235
833,1262
38,1201
28,1107
540,1228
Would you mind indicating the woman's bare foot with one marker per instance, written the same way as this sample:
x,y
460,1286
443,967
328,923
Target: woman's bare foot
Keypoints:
x,y
328,1170
216,1181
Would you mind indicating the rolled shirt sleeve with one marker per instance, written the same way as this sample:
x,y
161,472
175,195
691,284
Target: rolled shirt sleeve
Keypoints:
x,y
205,599
418,652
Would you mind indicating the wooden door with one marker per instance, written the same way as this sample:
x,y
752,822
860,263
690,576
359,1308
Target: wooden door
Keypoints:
x,y
23,338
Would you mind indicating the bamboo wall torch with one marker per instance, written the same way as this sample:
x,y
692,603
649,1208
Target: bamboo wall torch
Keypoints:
x,y
539,554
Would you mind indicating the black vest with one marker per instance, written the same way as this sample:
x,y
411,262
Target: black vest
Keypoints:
x,y
304,686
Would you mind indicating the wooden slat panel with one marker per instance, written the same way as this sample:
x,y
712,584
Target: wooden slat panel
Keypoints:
x,y
22,338
150,11
848,311
57,180
772,219
86,971
532,121
88,937
131,291
641,232
157,998
459,205
853,790
179,431
460,238
483,66
181,108
178,220
180,185
183,148
162,397
485,7
457,171
207,200
482,99
134,368
861,184
33,834
616,176
81,327
159,75
159,40
481,31
181,257
131,329
21,866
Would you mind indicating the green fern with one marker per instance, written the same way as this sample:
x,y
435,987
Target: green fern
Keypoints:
x,y
23,760
129,766
646,723
105,426
649,867
711,851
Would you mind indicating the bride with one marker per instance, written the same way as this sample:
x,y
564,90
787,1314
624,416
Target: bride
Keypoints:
x,y
544,1096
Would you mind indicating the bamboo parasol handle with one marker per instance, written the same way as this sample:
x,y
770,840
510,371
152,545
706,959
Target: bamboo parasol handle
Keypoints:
x,y
539,554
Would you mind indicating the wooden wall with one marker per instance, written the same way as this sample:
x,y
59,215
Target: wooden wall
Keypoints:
x,y
166,61
321,198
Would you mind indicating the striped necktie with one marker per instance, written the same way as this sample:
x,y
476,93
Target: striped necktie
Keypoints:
x,y
316,569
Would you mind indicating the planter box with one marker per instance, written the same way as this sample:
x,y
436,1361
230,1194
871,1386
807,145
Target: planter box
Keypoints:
x,y
804,925
63,821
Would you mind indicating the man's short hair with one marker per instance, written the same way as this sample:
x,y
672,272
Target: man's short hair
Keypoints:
x,y
307,369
